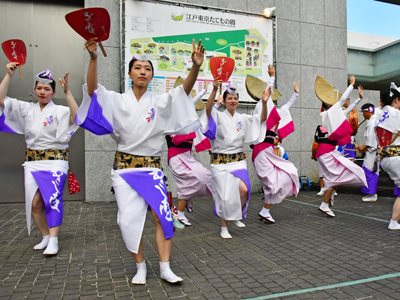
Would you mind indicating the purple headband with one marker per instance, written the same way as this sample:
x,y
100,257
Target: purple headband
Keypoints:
x,y
231,90
370,109
44,77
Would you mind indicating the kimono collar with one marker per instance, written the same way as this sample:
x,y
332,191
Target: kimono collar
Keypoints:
x,y
48,105
132,94
229,114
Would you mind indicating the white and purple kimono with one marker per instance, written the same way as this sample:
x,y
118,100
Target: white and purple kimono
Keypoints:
x,y
388,126
191,177
279,176
371,164
138,128
336,169
46,129
227,134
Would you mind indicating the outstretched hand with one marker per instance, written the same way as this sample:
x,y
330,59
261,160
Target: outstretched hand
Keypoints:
x,y
91,47
197,53
216,84
266,94
271,71
220,100
64,83
205,85
360,91
352,80
296,88
11,67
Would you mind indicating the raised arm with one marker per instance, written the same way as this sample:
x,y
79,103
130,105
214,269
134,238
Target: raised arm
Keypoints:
x,y
11,67
355,103
348,90
294,96
91,78
73,107
220,99
201,94
198,97
197,59
271,73
210,101
265,97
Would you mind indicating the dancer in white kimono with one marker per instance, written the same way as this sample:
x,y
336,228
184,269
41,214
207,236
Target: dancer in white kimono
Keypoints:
x,y
227,131
334,168
279,176
191,177
371,164
387,130
137,121
47,128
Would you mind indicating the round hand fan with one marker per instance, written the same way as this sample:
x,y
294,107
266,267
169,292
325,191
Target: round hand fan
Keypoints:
x,y
90,23
15,51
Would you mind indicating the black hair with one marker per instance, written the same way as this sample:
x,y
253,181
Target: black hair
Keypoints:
x,y
325,106
133,61
388,96
367,105
226,94
52,84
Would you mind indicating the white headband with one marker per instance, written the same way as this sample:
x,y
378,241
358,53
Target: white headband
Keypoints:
x,y
44,77
141,57
231,90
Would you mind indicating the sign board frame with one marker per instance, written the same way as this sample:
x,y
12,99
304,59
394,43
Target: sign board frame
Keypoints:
x,y
164,30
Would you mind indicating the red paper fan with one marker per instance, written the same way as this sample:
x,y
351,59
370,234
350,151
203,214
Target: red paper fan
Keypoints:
x,y
222,67
90,23
15,50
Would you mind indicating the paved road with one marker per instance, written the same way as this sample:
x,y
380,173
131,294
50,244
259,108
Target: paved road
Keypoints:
x,y
303,256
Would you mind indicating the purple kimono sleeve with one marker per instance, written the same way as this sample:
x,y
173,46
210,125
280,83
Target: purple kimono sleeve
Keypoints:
x,y
91,117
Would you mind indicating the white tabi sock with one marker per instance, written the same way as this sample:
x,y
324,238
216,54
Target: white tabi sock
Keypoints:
x,y
43,243
52,247
225,233
141,273
167,274
265,212
239,224
181,215
394,225
324,206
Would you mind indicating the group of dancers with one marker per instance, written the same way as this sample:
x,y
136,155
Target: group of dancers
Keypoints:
x,y
139,122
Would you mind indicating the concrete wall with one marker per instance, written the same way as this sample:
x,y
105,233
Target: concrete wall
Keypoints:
x,y
312,40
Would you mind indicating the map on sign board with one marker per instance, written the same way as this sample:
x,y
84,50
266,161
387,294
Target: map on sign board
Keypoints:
x,y
247,40
172,53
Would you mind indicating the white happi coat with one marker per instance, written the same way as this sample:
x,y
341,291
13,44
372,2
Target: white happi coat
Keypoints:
x,y
371,141
138,128
389,120
46,129
231,133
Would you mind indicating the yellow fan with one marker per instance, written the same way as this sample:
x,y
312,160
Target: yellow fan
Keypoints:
x,y
326,92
